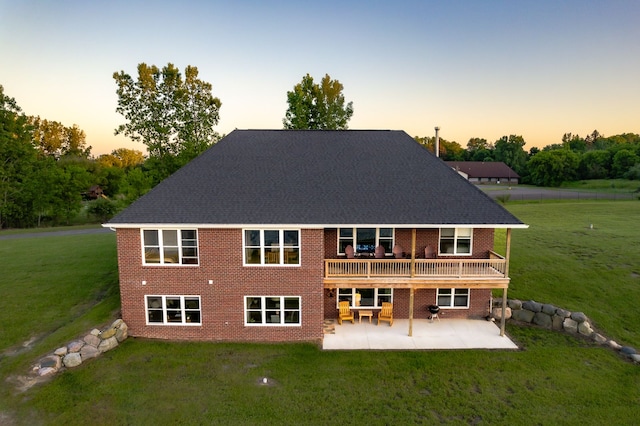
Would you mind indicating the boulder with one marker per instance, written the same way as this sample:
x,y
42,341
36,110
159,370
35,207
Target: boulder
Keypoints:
x,y
88,352
75,346
599,338
614,345
563,313
522,315
584,328
91,339
72,360
579,317
532,306
51,361
628,350
110,332
635,358
542,319
556,322
497,313
117,323
108,344
61,351
570,325
514,304
121,334
549,309
95,332
46,371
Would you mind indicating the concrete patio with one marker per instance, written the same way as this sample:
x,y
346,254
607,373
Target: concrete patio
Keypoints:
x,y
444,334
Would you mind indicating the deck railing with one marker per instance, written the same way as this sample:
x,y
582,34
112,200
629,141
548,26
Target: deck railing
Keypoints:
x,y
435,268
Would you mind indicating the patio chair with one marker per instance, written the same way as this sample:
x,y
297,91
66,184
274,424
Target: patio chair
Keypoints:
x,y
345,313
379,254
348,250
386,314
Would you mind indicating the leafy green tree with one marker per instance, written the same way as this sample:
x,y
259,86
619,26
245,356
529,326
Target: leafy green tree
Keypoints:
x,y
510,150
103,209
449,151
595,164
551,168
317,107
55,140
172,116
17,160
622,161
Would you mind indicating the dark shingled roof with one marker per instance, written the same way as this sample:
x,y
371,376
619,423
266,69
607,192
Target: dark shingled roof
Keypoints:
x,y
484,169
308,177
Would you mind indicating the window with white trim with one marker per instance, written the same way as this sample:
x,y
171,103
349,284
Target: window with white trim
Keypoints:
x,y
365,240
271,247
173,310
272,310
169,246
453,297
365,297
455,241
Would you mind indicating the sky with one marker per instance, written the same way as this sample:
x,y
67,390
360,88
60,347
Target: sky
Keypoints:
x,y
482,69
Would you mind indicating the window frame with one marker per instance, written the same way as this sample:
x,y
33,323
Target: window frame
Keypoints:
x,y
184,311
457,238
266,311
351,298
181,247
452,295
354,240
284,249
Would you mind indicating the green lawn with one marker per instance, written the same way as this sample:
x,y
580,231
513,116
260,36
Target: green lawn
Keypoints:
x,y
70,284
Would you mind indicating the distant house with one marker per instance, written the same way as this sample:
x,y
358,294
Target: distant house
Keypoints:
x,y
485,172
261,236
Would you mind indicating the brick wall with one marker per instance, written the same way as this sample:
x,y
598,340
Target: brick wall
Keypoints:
x,y
222,303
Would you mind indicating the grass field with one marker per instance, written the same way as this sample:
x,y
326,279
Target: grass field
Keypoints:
x,y
55,288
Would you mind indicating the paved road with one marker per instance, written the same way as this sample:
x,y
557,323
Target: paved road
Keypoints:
x,y
55,233
527,193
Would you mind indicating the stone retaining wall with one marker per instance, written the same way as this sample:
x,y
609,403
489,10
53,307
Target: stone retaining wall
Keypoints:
x,y
91,346
549,316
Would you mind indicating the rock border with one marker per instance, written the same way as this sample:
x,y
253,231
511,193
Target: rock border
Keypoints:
x,y
552,317
78,351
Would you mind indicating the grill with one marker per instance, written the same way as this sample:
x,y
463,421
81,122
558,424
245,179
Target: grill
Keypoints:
x,y
433,309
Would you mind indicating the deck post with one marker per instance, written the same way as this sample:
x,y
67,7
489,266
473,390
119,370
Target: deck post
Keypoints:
x,y
503,319
411,295
413,252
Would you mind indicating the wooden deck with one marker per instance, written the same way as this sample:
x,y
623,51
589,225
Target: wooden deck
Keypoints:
x,y
417,273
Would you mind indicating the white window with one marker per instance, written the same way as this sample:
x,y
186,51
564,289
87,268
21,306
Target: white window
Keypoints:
x,y
170,246
455,241
365,240
272,310
271,246
453,297
365,297
173,310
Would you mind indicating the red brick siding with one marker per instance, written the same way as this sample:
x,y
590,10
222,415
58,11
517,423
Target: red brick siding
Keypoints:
x,y
222,303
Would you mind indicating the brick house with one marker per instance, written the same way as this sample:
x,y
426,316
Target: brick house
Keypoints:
x,y
248,241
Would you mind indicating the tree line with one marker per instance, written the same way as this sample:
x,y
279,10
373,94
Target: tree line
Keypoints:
x,y
575,158
47,170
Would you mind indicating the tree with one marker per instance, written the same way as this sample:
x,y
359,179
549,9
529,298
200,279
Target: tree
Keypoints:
x,y
317,107
448,151
122,158
55,140
17,160
551,168
623,160
510,151
595,164
172,116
